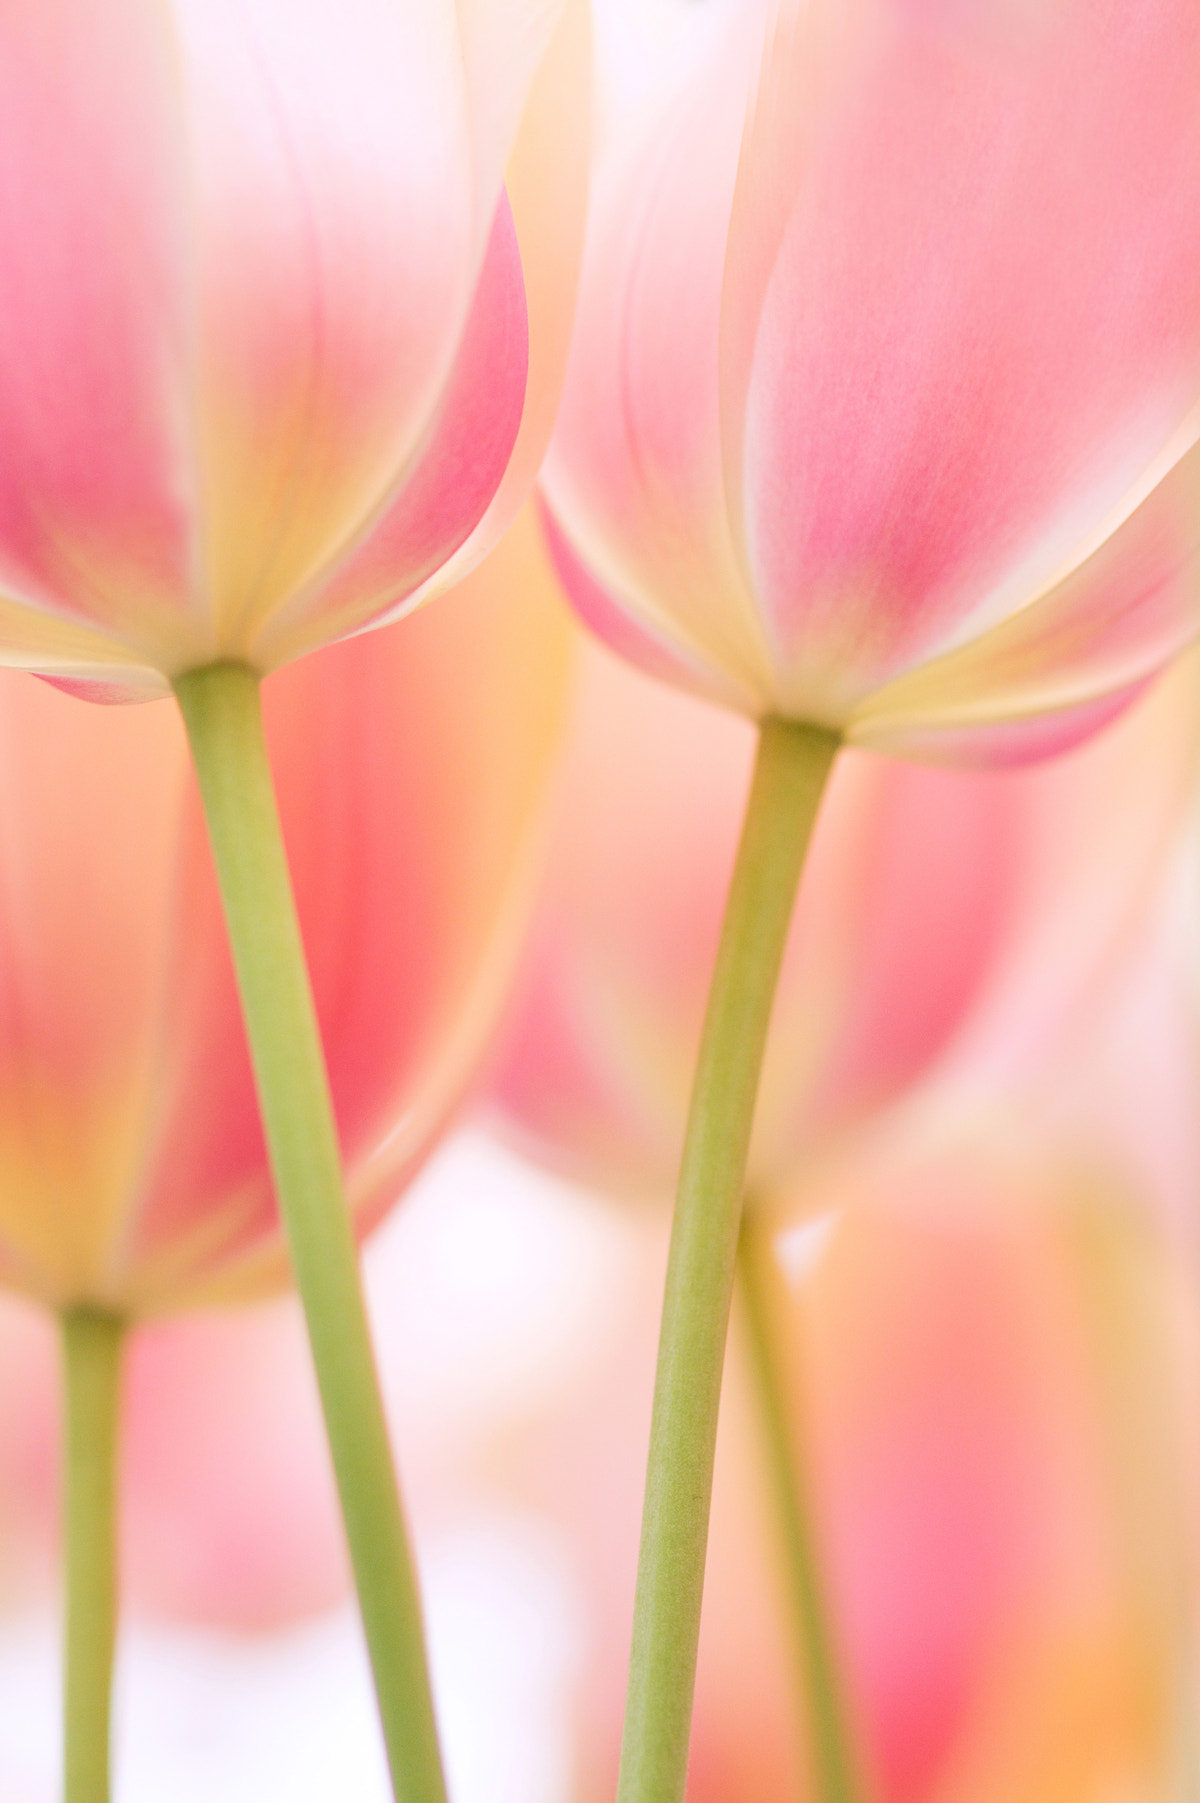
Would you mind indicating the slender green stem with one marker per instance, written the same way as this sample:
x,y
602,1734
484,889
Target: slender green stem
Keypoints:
x,y
789,778
222,710
91,1383
831,1743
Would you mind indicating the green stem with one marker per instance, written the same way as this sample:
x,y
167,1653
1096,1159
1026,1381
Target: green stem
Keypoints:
x,y
91,1382
789,778
824,1706
222,709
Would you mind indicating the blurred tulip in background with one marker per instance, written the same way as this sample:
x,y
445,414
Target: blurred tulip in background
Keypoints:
x,y
948,919
133,1175
989,1376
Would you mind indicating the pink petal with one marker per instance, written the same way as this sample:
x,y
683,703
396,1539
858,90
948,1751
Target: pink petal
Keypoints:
x,y
95,484
982,323
634,473
620,628
337,245
1094,636
547,182
441,499
409,764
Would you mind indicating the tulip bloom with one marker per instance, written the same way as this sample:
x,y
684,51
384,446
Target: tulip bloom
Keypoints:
x,y
267,315
949,921
133,1173
884,398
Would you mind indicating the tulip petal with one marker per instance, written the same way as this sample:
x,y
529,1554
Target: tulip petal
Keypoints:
x,y
74,1067
337,247
95,478
441,499
409,765
634,473
64,650
1101,631
547,181
621,630
982,322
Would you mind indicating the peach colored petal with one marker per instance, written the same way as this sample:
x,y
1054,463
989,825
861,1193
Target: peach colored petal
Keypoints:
x,y
47,641
86,888
262,297
410,766
505,46
637,642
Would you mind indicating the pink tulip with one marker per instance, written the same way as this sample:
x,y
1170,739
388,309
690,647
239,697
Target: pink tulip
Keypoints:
x,y
948,919
228,1511
883,405
133,1174
278,350
981,1367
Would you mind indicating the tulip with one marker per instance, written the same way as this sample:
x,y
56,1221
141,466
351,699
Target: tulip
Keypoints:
x,y
980,1366
279,348
884,396
951,923
228,1516
882,425
135,1175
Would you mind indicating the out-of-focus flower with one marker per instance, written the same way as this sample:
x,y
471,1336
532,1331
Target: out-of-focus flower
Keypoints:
x,y
984,1377
883,403
279,351
133,1174
946,917
489,1291
228,1513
